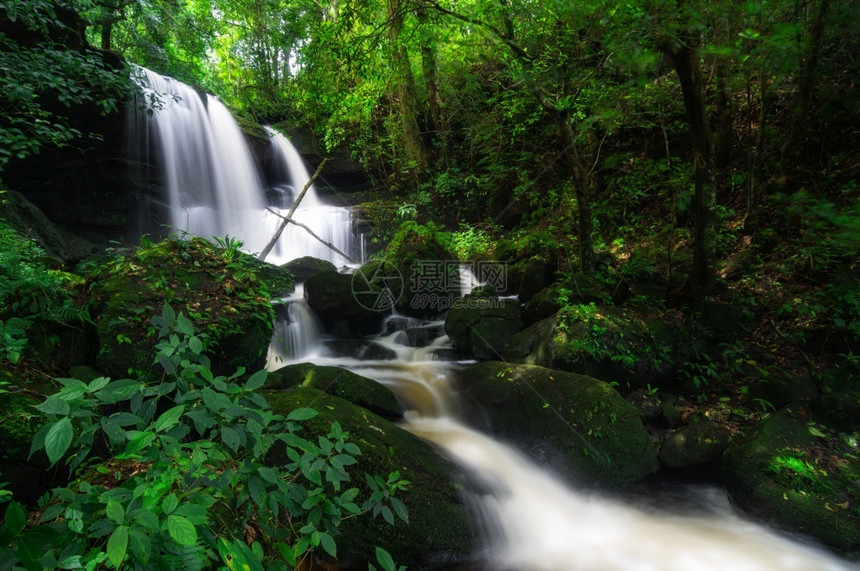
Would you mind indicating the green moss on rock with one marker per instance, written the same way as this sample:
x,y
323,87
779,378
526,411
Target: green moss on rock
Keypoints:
x,y
438,530
578,424
222,297
786,473
342,383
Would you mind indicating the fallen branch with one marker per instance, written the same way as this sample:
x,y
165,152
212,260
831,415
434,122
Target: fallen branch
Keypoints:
x,y
288,217
312,233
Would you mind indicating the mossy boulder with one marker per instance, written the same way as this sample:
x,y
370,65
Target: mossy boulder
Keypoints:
x,y
798,474
634,346
479,326
695,445
342,383
428,267
279,280
346,304
438,532
220,295
305,267
579,425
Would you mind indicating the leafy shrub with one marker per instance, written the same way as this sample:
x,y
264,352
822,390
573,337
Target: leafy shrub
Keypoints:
x,y
174,473
29,290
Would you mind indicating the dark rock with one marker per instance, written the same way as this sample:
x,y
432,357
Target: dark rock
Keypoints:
x,y
652,407
771,473
480,326
438,528
534,345
780,391
840,410
425,334
335,298
695,445
303,268
358,349
342,383
534,275
579,425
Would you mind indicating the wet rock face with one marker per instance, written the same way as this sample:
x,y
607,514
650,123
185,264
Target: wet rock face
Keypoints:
x,y
333,297
479,327
694,446
577,424
438,534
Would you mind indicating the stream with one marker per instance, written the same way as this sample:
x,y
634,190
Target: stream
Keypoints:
x,y
530,520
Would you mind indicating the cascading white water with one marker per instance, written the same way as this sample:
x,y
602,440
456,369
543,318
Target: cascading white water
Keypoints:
x,y
295,337
535,522
213,185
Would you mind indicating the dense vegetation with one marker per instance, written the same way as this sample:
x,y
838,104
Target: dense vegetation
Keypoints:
x,y
684,166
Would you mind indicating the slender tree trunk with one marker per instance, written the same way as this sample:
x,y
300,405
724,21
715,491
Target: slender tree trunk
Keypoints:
x,y
725,116
107,32
807,80
689,70
407,97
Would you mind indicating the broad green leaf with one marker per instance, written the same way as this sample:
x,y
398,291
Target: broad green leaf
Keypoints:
x,y
196,345
119,390
98,384
184,325
117,545
168,315
385,560
16,518
268,474
181,530
302,414
54,405
328,544
58,439
194,513
115,512
230,437
256,381
169,504
169,418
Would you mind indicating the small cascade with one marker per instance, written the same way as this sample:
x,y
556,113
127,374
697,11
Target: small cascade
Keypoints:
x,y
212,185
297,331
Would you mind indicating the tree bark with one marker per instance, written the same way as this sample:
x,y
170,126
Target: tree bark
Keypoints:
x,y
686,60
407,98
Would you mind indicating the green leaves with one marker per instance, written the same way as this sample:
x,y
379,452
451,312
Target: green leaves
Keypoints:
x,y
16,518
117,545
58,439
181,530
169,419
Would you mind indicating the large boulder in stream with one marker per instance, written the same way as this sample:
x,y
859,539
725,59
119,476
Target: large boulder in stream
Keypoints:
x,y
214,288
438,534
797,473
578,425
479,326
342,383
306,266
345,303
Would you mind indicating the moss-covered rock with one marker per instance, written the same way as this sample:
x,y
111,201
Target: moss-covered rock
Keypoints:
x,y
222,297
798,475
346,304
279,280
19,423
342,383
479,326
634,346
305,267
428,267
438,530
578,424
694,445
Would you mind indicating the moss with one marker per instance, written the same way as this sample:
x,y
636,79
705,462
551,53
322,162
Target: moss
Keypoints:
x,y
783,472
342,383
438,527
580,425
222,297
19,423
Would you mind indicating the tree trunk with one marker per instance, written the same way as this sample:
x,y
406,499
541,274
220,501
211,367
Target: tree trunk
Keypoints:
x,y
689,70
807,80
407,98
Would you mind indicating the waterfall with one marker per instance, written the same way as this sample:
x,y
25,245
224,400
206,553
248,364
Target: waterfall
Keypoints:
x,y
296,333
212,185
